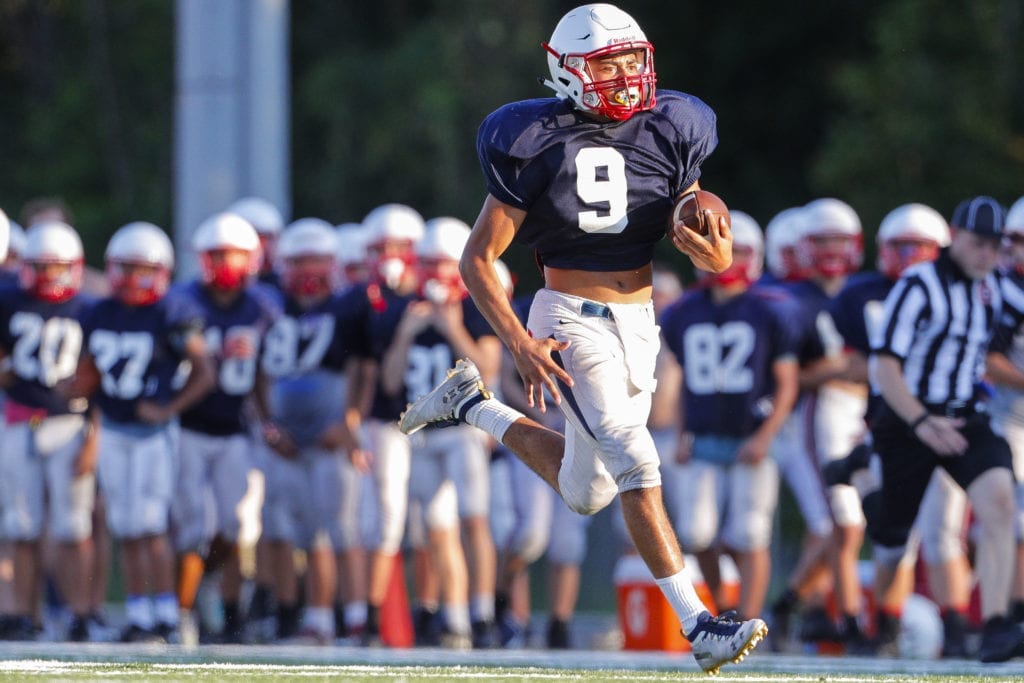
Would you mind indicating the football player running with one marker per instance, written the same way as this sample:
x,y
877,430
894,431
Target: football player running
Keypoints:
x,y
587,180
214,456
134,343
47,462
306,354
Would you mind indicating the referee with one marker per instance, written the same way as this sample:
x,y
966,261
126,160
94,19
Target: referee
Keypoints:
x,y
928,358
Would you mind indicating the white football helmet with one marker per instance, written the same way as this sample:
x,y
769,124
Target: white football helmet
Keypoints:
x,y
591,32
46,244
222,232
910,234
392,232
261,214
1015,217
443,238
139,244
747,269
300,274
439,252
5,235
781,236
830,218
352,255
267,220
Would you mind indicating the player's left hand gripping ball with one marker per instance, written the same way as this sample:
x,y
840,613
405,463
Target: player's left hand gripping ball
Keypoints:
x,y
704,213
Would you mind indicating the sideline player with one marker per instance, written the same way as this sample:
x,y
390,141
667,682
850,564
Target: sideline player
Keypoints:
x,y
47,461
586,179
737,350
135,341
214,445
306,353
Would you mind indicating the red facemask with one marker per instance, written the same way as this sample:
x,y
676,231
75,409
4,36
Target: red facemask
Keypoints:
x,y
136,288
227,276
55,287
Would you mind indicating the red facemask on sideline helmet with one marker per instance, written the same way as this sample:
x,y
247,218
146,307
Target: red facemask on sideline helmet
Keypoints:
x,y
392,231
441,283
52,263
909,234
748,254
139,244
215,240
307,252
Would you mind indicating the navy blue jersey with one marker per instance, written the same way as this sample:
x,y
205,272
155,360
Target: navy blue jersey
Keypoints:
x,y
304,354
858,308
383,313
138,350
821,338
521,307
249,317
324,336
598,194
726,352
431,356
43,341
8,278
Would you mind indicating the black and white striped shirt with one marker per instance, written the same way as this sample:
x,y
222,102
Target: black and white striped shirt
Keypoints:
x,y
939,322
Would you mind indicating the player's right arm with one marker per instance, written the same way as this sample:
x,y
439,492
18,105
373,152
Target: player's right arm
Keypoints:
x,y
493,232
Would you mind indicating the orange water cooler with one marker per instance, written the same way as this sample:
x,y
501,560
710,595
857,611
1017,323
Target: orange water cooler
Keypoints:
x,y
646,619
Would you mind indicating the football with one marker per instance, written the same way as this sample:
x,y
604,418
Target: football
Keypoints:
x,y
699,211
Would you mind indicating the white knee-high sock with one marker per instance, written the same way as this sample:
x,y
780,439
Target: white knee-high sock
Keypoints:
x,y
678,590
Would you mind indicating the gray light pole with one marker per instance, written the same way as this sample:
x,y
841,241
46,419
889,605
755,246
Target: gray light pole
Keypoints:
x,y
231,136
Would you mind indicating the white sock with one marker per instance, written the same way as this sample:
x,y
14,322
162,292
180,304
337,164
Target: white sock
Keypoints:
x,y
482,607
494,417
138,610
457,618
320,620
355,614
165,605
678,590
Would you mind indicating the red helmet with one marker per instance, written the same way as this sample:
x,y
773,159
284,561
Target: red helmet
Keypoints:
x,y
139,244
52,264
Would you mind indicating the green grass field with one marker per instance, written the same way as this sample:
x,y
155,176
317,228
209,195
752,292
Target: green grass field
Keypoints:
x,y
93,661
63,670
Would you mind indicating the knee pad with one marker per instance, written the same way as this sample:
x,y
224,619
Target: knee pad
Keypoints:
x,y
590,499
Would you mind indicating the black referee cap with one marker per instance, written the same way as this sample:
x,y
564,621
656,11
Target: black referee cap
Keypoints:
x,y
982,215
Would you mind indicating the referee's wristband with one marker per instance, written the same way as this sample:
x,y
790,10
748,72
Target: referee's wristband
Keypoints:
x,y
920,419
